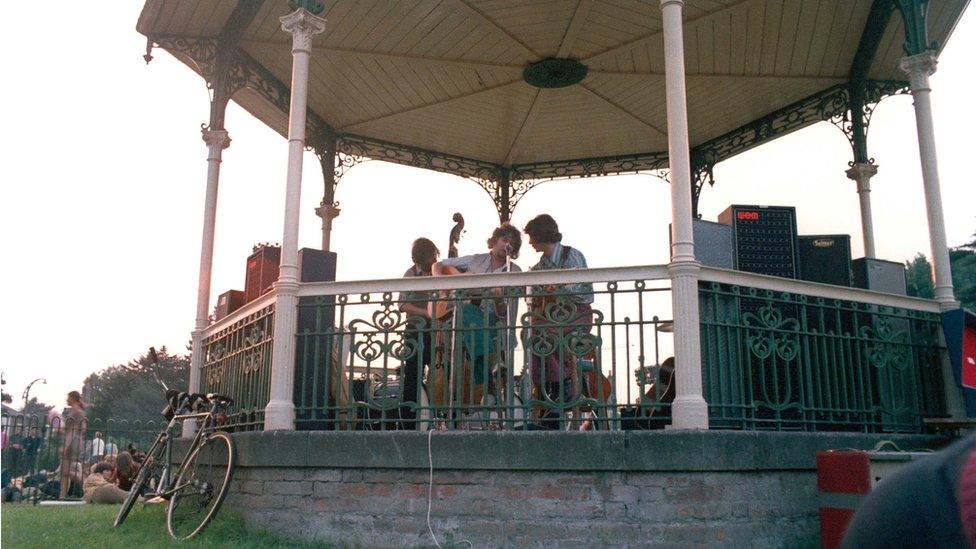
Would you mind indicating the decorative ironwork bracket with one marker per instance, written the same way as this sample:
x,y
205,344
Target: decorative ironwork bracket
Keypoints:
x,y
344,162
354,149
524,177
914,14
229,70
863,98
833,104
702,173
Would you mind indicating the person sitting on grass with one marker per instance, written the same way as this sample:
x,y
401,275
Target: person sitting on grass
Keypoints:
x,y
11,493
137,456
124,472
99,488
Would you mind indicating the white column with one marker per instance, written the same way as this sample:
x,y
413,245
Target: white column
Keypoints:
x,y
217,141
327,212
689,410
919,67
862,173
280,412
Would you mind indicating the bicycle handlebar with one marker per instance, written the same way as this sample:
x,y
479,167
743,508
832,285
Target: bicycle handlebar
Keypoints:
x,y
178,400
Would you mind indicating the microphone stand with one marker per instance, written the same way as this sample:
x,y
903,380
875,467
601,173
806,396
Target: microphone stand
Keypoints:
x,y
509,349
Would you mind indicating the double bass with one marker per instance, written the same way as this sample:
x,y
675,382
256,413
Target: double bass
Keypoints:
x,y
442,376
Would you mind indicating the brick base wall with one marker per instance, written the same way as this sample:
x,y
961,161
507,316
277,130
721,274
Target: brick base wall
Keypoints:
x,y
388,507
674,489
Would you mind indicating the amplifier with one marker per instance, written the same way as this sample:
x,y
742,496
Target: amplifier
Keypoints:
x,y
713,243
262,268
228,302
314,345
826,258
262,271
763,239
316,314
880,275
316,265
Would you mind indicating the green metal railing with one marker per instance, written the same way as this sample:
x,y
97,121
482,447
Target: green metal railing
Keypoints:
x,y
778,360
237,363
36,446
354,352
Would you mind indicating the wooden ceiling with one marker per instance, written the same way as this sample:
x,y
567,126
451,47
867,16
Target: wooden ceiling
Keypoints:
x,y
446,75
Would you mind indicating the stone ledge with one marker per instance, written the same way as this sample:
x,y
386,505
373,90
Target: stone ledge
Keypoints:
x,y
628,451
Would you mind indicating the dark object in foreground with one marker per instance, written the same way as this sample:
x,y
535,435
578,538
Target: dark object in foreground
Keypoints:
x,y
930,503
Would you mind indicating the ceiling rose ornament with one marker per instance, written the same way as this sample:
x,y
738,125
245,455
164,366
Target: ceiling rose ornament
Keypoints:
x,y
311,5
553,72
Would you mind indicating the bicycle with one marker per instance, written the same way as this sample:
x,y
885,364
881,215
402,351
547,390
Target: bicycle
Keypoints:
x,y
199,484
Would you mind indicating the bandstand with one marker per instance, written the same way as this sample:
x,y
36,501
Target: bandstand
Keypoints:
x,y
509,95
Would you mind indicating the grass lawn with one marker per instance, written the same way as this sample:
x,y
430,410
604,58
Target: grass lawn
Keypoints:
x,y
26,525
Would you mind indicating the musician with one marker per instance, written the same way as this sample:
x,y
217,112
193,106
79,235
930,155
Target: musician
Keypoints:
x,y
554,372
482,344
503,245
417,334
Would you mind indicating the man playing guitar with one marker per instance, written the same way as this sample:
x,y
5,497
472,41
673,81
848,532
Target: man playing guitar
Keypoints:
x,y
485,322
555,373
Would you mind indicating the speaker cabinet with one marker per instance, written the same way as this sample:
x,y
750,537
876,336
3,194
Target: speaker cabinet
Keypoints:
x,y
228,302
314,344
880,276
262,271
316,314
713,243
826,258
317,265
763,239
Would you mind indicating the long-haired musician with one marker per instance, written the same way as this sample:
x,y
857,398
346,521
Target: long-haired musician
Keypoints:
x,y
417,335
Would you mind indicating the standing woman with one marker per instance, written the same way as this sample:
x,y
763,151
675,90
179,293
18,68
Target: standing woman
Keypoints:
x,y
74,440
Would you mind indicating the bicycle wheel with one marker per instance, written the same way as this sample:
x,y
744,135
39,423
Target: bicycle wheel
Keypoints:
x,y
150,464
201,486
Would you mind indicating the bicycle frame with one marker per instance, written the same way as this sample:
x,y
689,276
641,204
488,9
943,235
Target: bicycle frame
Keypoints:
x,y
164,489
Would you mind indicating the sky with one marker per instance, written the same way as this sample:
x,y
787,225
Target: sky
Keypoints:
x,y
103,177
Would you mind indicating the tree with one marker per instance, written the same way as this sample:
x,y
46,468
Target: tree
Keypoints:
x,y
919,277
130,391
962,262
36,408
6,397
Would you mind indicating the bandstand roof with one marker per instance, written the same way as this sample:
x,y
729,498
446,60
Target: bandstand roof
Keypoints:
x,y
447,75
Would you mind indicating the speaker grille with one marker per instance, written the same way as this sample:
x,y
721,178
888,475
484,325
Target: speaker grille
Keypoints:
x,y
763,239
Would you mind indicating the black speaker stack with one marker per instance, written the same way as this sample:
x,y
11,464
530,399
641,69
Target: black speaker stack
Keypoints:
x,y
826,258
763,239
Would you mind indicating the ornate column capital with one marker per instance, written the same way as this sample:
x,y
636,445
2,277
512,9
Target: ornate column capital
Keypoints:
x,y
216,138
861,173
328,212
919,67
302,25
665,3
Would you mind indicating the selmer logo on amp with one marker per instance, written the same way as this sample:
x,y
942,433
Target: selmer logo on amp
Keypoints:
x,y
763,239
